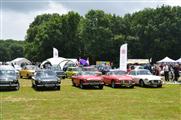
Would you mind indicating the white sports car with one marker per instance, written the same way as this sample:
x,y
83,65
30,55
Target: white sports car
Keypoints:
x,y
144,77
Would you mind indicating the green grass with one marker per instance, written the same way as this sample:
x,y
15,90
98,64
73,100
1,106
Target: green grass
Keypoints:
x,y
72,103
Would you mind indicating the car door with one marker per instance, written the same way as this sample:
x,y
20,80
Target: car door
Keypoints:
x,y
133,74
106,78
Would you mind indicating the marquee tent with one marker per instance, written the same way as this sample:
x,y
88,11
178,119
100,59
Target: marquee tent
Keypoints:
x,y
166,60
59,61
138,61
179,60
20,61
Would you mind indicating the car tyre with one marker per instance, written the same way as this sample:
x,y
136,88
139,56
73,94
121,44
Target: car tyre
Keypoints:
x,y
73,83
81,85
101,86
142,84
17,87
58,87
159,86
131,86
113,85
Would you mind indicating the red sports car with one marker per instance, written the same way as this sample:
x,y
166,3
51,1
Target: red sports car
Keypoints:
x,y
87,78
118,78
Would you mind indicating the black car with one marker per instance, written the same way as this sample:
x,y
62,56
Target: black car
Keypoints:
x,y
45,79
8,78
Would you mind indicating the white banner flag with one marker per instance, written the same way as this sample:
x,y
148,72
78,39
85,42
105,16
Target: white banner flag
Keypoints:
x,y
123,57
55,53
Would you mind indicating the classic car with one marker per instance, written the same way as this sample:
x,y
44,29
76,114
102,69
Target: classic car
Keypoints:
x,y
87,78
8,78
28,71
92,68
45,79
118,78
72,71
60,73
103,68
144,77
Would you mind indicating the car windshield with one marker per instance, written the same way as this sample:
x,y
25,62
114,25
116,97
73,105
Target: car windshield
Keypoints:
x,y
90,69
7,72
76,69
88,73
47,74
144,72
117,73
31,67
56,68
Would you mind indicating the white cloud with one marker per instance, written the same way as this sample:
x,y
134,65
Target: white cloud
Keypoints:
x,y
173,2
15,24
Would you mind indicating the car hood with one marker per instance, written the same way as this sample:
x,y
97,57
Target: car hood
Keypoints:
x,y
8,78
92,77
121,77
149,77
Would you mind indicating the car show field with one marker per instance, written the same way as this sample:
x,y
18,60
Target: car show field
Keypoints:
x,y
73,103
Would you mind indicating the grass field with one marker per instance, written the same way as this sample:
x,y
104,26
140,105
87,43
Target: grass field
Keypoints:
x,y
72,103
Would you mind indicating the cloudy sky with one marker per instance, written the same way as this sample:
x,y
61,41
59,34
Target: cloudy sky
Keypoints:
x,y
16,15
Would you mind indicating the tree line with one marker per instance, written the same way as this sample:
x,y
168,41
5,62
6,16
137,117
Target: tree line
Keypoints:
x,y
150,33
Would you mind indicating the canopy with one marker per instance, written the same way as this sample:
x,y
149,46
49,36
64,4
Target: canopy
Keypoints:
x,y
179,60
20,61
60,61
138,61
166,60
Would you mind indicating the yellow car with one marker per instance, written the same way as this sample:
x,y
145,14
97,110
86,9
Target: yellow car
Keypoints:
x,y
27,72
72,71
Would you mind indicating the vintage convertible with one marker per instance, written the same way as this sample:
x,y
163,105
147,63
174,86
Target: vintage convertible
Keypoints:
x,y
144,77
118,78
28,71
8,78
45,79
87,78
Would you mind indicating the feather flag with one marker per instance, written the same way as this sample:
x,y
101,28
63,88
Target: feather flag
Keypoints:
x,y
55,53
123,57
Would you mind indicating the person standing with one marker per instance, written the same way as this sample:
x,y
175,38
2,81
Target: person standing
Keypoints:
x,y
166,72
176,72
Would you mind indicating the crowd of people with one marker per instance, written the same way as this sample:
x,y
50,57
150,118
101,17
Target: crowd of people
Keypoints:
x,y
170,71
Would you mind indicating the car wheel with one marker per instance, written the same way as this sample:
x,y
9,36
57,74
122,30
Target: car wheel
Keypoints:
x,y
32,85
101,86
81,85
58,87
17,87
113,85
73,83
159,86
142,84
131,86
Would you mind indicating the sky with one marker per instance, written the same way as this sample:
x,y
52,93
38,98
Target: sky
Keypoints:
x,y
17,15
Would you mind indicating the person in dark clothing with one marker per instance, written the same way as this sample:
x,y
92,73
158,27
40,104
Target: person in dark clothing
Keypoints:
x,y
166,72
176,72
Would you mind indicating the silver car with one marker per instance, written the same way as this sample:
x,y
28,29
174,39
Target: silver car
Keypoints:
x,y
45,79
8,78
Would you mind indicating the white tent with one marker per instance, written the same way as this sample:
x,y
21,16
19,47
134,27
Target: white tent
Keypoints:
x,y
166,60
53,61
20,61
138,61
179,60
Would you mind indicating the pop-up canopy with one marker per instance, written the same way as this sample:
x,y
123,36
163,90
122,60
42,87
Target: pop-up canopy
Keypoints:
x,y
179,60
166,60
